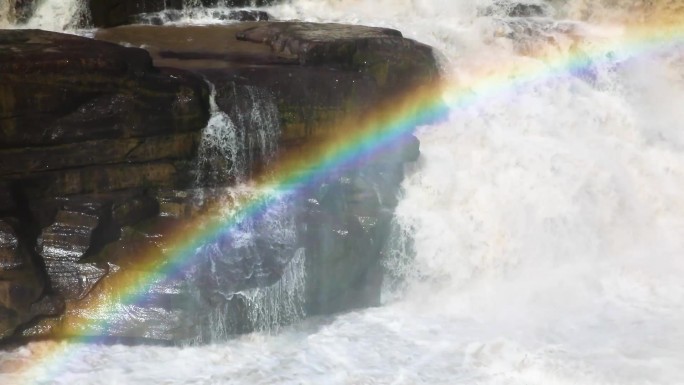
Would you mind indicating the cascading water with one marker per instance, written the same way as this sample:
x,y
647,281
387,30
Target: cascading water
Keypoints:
x,y
237,141
219,156
6,14
255,113
232,278
51,15
545,222
232,144
282,303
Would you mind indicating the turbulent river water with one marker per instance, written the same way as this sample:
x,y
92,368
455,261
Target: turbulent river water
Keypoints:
x,y
547,223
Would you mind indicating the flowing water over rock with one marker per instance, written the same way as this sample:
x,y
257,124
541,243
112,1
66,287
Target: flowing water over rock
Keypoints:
x,y
50,15
234,143
250,278
544,226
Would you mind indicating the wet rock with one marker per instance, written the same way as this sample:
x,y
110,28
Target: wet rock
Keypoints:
x,y
9,320
125,208
126,125
21,286
10,255
97,152
7,202
18,295
123,96
134,210
347,222
381,52
179,204
48,305
99,179
179,306
63,244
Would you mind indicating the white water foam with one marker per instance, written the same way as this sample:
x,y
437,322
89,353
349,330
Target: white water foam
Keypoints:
x,y
234,144
219,156
281,303
547,224
50,15
6,14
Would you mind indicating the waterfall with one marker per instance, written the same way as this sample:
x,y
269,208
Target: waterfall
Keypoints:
x,y
251,277
220,153
6,14
69,15
282,303
57,15
234,143
265,309
257,117
538,239
51,15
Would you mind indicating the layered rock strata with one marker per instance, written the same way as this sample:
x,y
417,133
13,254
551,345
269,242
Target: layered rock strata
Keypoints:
x,y
105,153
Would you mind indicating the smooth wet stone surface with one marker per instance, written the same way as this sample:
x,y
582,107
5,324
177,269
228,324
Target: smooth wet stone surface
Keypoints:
x,y
10,254
62,246
21,283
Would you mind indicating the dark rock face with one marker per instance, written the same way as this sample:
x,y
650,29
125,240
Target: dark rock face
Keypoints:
x,y
73,107
63,244
10,255
107,173
78,116
21,286
347,220
122,126
321,75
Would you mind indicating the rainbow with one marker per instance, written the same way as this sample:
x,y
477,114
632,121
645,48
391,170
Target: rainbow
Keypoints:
x,y
385,127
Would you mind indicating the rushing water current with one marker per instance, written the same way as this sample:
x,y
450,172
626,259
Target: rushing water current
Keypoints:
x,y
547,223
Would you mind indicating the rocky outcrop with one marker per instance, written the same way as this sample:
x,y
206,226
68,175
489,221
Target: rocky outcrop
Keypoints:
x,y
320,74
108,170
21,284
47,100
63,244
78,116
